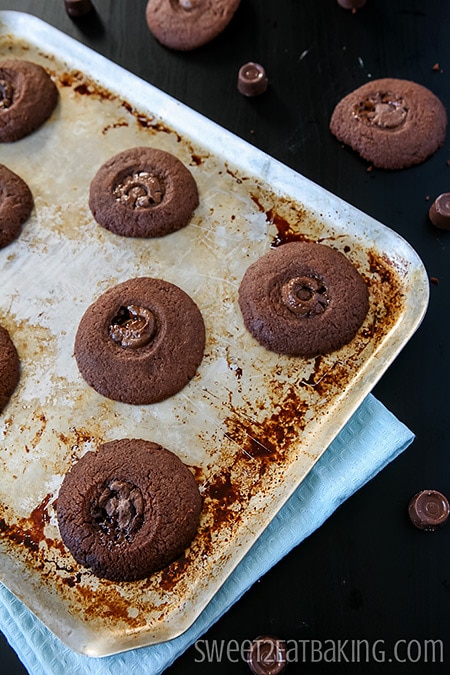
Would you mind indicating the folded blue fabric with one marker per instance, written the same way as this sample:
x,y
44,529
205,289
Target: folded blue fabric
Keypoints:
x,y
371,439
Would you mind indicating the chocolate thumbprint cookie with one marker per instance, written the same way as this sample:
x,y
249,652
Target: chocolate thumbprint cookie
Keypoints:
x,y
28,97
391,123
128,510
303,299
141,341
9,368
188,24
16,204
143,192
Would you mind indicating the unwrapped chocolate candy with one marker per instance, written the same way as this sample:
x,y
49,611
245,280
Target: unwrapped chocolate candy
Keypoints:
x,y
252,79
439,212
428,510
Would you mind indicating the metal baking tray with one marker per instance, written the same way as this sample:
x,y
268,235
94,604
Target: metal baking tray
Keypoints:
x,y
251,424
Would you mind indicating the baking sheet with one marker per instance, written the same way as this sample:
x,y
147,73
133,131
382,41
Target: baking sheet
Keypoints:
x,y
250,425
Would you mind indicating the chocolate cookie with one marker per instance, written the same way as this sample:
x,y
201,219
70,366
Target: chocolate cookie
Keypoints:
x,y
28,97
16,204
188,24
140,342
303,299
9,368
128,510
391,123
143,192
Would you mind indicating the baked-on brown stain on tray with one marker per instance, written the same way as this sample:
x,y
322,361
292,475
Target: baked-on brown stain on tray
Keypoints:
x,y
28,537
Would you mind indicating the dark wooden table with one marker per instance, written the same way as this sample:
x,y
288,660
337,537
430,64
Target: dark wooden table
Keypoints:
x,y
367,573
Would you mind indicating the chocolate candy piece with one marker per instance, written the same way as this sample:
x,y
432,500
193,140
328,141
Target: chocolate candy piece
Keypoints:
x,y
439,212
429,510
267,656
351,4
77,8
252,80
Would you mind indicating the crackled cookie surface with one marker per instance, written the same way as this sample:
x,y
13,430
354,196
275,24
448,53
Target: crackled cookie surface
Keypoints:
x,y
188,24
128,509
143,192
16,204
141,341
9,368
28,97
391,123
303,299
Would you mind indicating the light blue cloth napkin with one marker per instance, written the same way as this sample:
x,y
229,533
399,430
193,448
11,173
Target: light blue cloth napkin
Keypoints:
x,y
371,439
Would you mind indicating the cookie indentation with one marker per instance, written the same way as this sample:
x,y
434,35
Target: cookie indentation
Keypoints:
x,y
186,5
133,327
305,296
118,511
140,190
6,94
382,109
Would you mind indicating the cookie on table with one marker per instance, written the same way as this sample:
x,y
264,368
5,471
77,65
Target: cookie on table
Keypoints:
x,y
16,204
9,368
303,299
188,24
128,509
143,192
28,97
391,123
140,342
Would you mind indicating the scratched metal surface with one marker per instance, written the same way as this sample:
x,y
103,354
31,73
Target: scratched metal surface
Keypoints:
x,y
250,425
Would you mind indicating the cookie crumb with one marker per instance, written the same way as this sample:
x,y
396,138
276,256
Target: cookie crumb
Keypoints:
x,y
435,281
